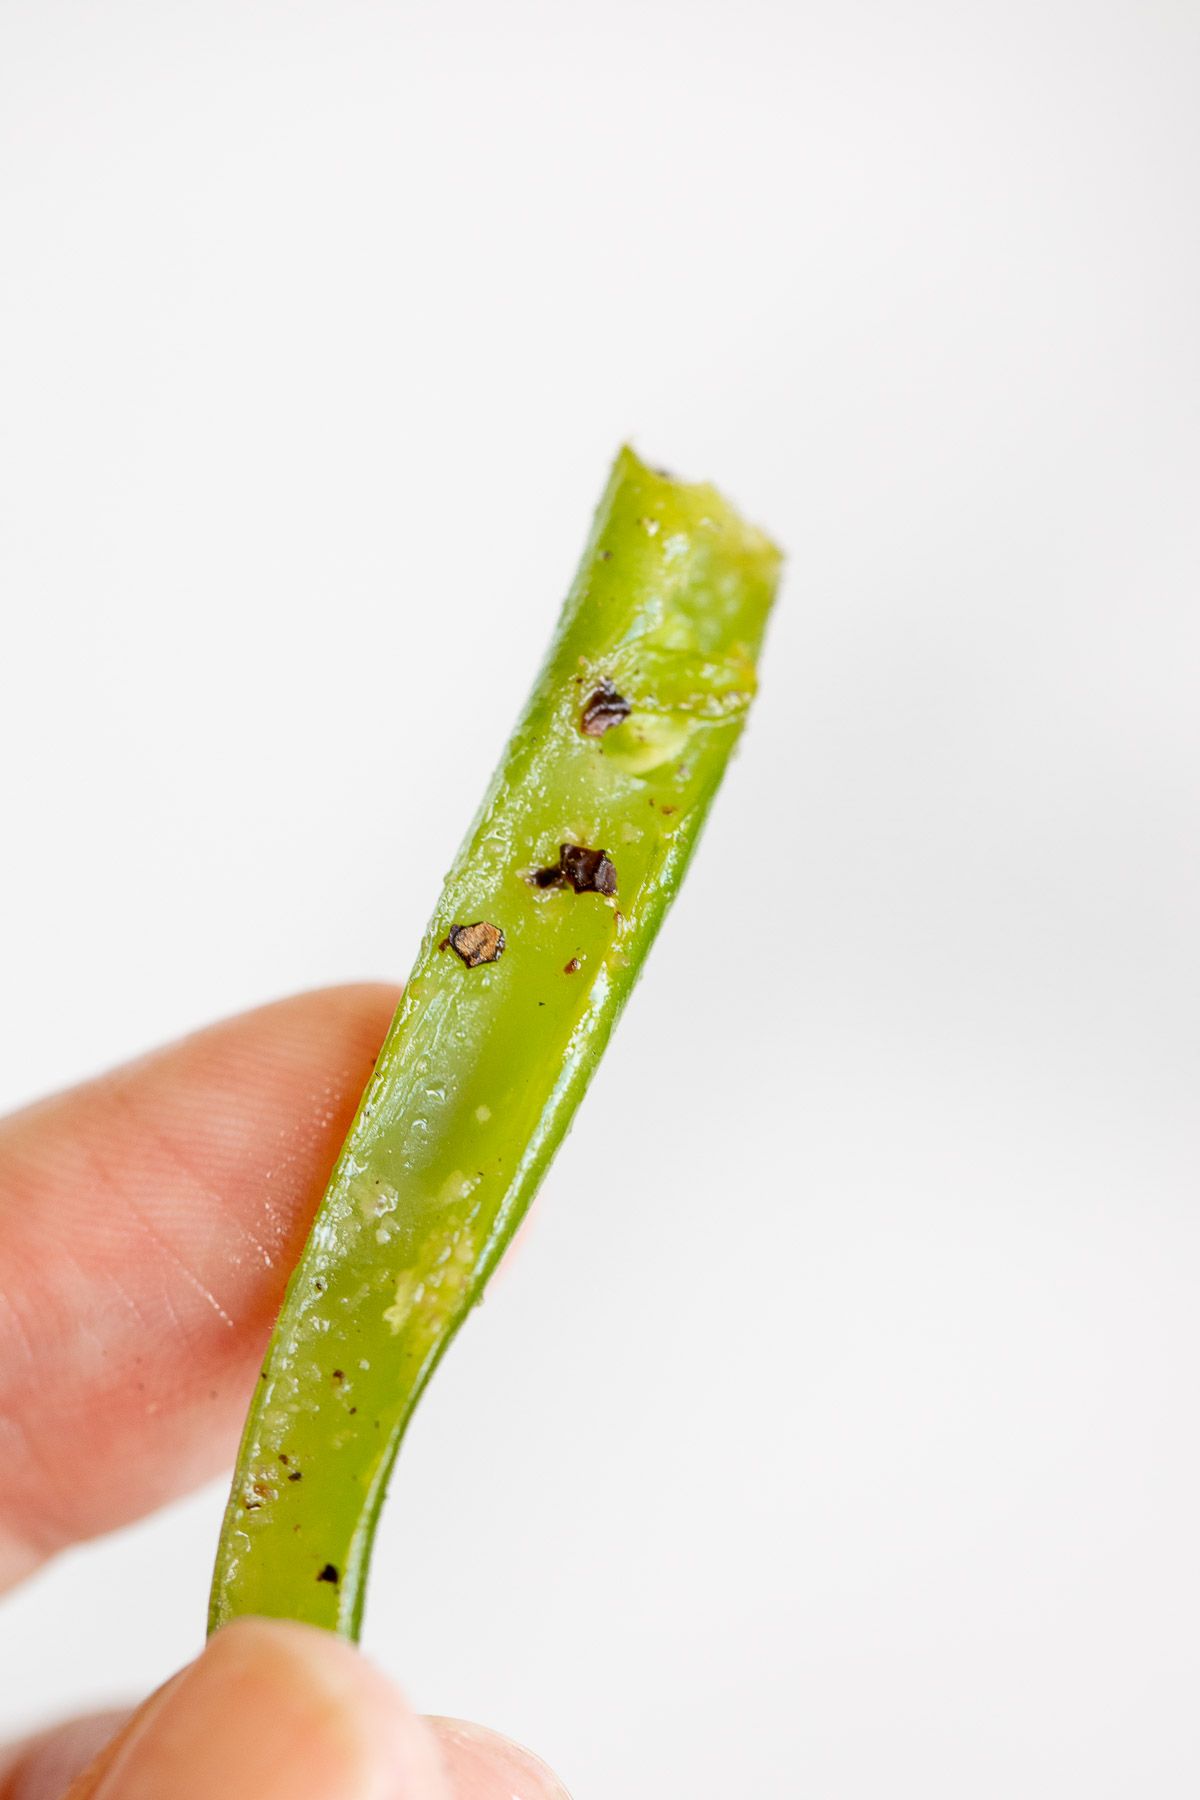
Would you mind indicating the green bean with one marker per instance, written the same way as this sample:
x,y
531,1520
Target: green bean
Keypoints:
x,y
546,916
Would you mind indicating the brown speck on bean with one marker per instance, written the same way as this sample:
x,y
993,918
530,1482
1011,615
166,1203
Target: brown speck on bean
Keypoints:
x,y
478,943
338,1375
605,709
588,871
606,556
571,968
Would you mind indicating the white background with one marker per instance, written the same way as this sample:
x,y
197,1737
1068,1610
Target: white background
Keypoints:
x,y
848,1446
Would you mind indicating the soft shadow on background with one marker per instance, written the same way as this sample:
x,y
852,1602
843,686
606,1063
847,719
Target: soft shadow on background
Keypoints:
x,y
847,1443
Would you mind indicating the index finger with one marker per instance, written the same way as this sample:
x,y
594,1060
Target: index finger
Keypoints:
x,y
148,1221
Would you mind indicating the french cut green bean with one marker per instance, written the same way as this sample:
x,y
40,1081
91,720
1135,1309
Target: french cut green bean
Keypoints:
x,y
546,916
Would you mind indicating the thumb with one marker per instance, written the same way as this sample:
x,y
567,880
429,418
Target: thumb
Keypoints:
x,y
275,1711
271,1710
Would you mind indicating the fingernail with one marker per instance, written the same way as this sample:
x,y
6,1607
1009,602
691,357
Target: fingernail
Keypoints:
x,y
485,1766
277,1710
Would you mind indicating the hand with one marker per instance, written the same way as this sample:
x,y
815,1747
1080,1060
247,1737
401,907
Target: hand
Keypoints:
x,y
147,1225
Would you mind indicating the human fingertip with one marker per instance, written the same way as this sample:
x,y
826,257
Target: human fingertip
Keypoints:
x,y
274,1711
43,1767
482,1765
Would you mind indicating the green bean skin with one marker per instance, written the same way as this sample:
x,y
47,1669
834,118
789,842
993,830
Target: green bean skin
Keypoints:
x,y
484,1065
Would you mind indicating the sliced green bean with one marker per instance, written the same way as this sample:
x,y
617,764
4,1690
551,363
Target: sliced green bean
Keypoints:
x,y
546,916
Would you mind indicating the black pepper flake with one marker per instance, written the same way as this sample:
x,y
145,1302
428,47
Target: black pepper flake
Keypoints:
x,y
338,1375
605,709
330,1574
478,943
588,871
295,1475
571,968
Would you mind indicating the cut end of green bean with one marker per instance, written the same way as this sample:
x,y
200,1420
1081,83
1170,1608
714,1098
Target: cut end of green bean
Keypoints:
x,y
546,917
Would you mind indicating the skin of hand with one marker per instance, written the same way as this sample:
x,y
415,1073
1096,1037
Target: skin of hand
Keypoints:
x,y
148,1221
